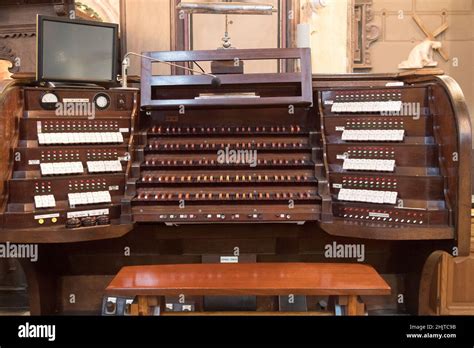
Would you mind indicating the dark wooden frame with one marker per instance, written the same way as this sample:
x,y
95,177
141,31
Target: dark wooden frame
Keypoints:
x,y
148,80
181,31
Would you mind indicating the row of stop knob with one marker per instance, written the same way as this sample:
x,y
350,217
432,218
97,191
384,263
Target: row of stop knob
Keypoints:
x,y
154,196
155,144
223,130
224,178
189,162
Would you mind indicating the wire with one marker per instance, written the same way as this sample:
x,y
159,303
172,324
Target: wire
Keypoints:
x,y
199,66
165,62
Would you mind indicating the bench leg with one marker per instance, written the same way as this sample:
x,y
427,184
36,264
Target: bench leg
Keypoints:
x,y
352,305
151,305
143,305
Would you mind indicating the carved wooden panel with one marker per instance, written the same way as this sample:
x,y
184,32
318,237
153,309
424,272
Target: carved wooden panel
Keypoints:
x,y
18,29
364,34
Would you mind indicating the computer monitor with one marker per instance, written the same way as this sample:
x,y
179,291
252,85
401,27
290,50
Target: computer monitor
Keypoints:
x,y
76,50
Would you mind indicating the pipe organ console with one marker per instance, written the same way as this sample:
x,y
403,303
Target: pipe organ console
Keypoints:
x,y
376,159
69,161
388,162
368,183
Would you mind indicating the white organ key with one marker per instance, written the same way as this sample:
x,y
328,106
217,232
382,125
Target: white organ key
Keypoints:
x,y
364,135
48,139
107,196
371,106
397,106
38,202
369,164
95,197
373,135
57,168
92,138
99,138
392,199
401,134
367,196
104,166
72,199
347,164
106,137
90,198
41,138
80,138
67,168
364,195
342,195
85,138
78,167
61,168
50,201
95,166
46,168
349,135
379,197
45,201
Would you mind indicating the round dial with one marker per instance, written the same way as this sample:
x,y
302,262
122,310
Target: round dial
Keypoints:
x,y
48,100
102,101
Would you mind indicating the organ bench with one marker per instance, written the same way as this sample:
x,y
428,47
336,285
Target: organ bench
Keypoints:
x,y
151,283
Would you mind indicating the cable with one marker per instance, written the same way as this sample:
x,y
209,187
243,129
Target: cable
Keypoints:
x,y
126,63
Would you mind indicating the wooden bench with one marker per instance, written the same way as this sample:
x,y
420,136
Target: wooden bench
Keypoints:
x,y
151,283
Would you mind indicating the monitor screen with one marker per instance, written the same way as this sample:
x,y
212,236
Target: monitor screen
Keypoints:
x,y
73,50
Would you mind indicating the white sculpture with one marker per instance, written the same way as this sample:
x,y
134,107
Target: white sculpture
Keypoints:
x,y
421,56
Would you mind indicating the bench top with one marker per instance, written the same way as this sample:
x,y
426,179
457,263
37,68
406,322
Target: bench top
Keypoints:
x,y
266,279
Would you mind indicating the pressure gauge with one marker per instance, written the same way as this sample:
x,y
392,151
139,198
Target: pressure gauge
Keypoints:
x,y
48,101
102,101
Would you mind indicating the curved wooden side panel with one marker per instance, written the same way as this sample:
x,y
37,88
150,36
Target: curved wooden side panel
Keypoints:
x,y
447,285
11,107
459,172
429,284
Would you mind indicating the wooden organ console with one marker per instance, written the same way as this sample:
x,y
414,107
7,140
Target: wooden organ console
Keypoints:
x,y
391,168
277,165
67,165
266,165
